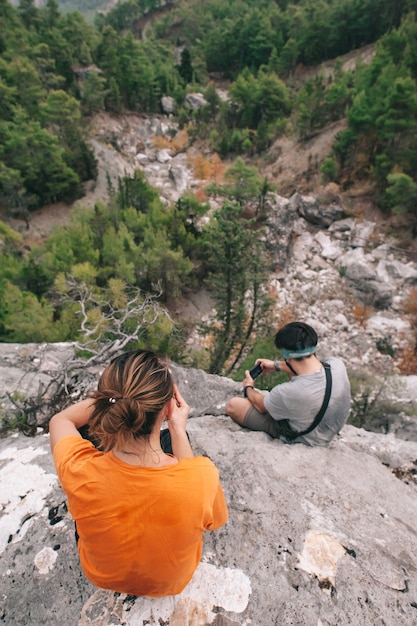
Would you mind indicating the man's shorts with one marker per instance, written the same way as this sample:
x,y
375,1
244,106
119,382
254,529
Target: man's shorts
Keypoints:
x,y
254,420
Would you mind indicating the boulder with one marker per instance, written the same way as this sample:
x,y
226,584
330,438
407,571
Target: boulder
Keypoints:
x,y
280,224
163,156
195,101
391,269
315,212
168,105
330,249
179,176
360,233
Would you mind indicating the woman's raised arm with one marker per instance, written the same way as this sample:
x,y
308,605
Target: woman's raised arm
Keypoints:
x,y
68,421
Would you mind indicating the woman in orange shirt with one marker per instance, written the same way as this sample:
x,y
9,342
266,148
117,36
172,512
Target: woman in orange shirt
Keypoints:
x,y
140,511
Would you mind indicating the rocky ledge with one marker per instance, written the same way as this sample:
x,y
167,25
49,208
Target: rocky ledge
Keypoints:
x,y
315,536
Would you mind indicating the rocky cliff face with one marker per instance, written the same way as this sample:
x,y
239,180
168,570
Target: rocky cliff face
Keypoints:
x,y
336,268
315,536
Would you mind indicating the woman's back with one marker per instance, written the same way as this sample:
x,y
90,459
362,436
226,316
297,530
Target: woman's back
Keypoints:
x,y
140,528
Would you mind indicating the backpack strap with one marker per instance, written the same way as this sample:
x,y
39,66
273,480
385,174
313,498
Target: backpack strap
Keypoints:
x,y
320,414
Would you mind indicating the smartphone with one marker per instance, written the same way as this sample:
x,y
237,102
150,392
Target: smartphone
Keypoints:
x,y
255,371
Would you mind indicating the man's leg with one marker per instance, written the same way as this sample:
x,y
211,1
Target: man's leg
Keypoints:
x,y
237,408
242,412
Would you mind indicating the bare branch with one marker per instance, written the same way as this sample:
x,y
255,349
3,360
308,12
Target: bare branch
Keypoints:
x,y
107,326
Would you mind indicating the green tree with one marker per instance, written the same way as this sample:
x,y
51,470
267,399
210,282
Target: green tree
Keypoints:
x,y
34,153
46,67
135,191
380,137
118,254
29,13
328,169
243,183
62,112
13,195
402,193
311,109
396,126
74,243
113,99
288,58
7,99
50,13
80,37
135,75
163,266
183,228
236,264
25,318
94,93
22,75
185,68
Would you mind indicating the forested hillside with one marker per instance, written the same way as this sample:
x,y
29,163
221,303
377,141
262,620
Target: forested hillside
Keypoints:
x,y
57,70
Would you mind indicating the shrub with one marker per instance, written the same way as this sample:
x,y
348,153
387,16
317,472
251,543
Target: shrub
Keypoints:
x,y
328,170
372,406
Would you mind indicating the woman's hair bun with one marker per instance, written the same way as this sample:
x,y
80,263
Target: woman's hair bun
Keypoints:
x,y
131,392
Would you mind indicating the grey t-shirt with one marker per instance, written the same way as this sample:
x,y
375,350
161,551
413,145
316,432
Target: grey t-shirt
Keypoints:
x,y
300,399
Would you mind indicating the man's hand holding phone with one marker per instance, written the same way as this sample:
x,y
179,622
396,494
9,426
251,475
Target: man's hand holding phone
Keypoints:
x,y
256,371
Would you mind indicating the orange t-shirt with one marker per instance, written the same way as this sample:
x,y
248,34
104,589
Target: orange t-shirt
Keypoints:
x,y
140,529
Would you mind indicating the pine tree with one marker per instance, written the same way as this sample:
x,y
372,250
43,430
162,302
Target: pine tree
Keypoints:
x,y
236,261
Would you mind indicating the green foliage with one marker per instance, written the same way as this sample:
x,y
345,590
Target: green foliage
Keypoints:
x,y
122,241
118,314
9,238
118,242
162,265
26,319
236,262
384,345
263,347
137,72
254,116
56,69
17,420
42,138
243,184
402,193
381,135
135,192
264,98
94,93
183,226
372,405
32,151
320,102
328,170
185,69
231,36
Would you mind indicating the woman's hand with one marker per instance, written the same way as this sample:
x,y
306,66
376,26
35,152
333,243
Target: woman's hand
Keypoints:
x,y
178,411
177,415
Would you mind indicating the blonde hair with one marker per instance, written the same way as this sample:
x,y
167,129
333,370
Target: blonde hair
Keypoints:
x,y
131,392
